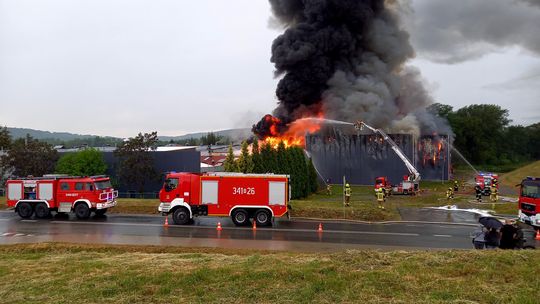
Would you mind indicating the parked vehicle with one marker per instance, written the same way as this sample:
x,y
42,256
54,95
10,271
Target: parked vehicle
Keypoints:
x,y
243,197
529,201
61,194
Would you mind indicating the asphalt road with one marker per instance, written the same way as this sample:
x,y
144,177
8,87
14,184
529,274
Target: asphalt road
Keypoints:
x,y
295,235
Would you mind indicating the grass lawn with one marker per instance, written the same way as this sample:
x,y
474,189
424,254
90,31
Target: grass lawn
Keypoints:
x,y
364,204
64,273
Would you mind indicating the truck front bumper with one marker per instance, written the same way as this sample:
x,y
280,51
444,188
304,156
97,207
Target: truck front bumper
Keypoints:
x,y
164,208
105,205
533,220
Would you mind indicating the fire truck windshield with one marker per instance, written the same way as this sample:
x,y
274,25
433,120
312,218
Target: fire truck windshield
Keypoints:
x,y
101,185
530,189
171,184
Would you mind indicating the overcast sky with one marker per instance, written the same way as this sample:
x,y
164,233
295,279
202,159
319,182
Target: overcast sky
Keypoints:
x,y
119,67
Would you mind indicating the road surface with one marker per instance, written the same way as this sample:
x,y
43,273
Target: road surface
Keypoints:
x,y
295,235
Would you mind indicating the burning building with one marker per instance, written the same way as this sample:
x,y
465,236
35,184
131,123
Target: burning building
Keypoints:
x,y
361,157
343,61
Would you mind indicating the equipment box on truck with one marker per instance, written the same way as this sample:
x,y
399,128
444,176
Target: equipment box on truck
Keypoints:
x,y
62,194
243,197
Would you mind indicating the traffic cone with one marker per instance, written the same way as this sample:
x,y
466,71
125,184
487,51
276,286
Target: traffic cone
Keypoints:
x,y
166,224
254,225
218,228
537,235
320,228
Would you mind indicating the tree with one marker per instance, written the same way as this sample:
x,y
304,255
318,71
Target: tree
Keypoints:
x,y
83,163
136,164
440,110
313,177
256,157
245,162
29,156
478,131
210,139
230,163
268,158
5,144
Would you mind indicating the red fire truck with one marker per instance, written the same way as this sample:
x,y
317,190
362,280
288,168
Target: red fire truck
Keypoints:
x,y
382,182
240,196
529,201
62,194
485,181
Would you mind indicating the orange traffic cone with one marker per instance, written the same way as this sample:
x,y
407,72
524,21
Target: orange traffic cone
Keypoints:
x,y
254,225
537,235
166,224
320,228
218,228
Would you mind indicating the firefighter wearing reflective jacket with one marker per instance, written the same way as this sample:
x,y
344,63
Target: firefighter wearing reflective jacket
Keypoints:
x,y
449,194
456,186
347,195
494,194
380,197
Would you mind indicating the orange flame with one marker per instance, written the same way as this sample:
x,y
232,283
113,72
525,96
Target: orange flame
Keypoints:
x,y
296,132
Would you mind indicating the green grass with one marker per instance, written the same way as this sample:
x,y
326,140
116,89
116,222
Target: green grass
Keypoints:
x,y
63,273
511,179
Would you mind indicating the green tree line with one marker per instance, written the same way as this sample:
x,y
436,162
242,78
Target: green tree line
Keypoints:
x,y
283,160
483,134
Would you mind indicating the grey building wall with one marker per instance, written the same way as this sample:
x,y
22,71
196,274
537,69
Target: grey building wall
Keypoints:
x,y
362,158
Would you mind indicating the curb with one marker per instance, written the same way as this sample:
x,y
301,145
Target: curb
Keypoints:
x,y
380,223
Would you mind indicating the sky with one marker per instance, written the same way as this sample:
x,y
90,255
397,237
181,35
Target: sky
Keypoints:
x,y
119,67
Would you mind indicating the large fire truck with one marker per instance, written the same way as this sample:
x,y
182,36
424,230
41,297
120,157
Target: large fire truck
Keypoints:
x,y
61,194
485,181
243,197
410,185
529,201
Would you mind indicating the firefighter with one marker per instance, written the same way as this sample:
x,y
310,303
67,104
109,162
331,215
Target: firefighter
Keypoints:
x,y
380,198
449,194
328,189
478,191
347,195
456,186
494,194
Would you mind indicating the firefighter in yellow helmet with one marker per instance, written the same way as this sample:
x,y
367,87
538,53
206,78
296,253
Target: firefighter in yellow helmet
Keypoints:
x,y
380,198
449,194
494,194
347,195
456,185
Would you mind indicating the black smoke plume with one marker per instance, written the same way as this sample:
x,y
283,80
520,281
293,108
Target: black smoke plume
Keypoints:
x,y
345,58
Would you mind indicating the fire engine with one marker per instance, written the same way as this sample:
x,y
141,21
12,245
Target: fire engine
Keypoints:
x,y
243,197
384,183
61,194
485,181
411,183
529,201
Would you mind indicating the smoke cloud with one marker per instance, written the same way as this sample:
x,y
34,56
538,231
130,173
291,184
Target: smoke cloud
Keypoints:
x,y
450,32
346,59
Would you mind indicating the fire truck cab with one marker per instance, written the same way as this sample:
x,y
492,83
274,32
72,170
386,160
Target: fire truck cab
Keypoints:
x,y
485,181
260,197
529,201
382,182
61,194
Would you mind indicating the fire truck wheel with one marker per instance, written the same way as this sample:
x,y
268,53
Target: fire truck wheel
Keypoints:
x,y
240,217
42,211
82,211
101,212
263,218
181,216
25,210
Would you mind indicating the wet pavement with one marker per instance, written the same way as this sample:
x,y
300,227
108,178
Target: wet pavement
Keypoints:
x,y
294,235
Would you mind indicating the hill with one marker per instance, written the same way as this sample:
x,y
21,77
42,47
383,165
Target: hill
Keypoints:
x,y
513,178
235,134
41,135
